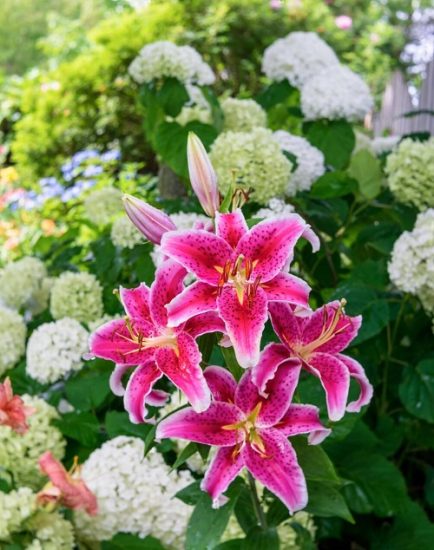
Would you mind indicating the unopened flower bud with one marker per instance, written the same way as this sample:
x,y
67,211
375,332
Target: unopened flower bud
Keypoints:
x,y
150,221
202,176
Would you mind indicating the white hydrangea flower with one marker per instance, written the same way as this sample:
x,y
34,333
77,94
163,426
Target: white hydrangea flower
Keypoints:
x,y
182,220
77,296
12,338
165,59
19,453
385,144
197,108
276,208
336,93
310,161
298,57
55,349
51,531
135,494
125,234
102,205
411,267
242,115
252,160
23,285
15,508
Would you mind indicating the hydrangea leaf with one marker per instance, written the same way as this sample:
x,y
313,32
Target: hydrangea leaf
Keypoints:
x,y
417,390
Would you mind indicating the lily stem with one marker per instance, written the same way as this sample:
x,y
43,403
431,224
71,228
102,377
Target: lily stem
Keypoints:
x,y
259,512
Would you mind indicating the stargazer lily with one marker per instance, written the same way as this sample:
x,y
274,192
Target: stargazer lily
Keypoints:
x,y
65,488
13,411
251,431
145,340
316,340
239,270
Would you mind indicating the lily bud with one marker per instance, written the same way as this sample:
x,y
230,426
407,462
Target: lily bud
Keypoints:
x,y
150,221
202,176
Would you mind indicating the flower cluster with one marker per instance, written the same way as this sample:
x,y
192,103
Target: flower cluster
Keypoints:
x,y
19,453
165,59
134,493
16,507
410,168
12,338
24,285
197,108
55,349
101,206
276,208
251,160
381,145
242,115
124,234
309,159
50,531
411,267
77,296
298,57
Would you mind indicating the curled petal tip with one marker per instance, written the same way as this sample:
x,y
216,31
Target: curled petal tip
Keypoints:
x,y
150,221
202,176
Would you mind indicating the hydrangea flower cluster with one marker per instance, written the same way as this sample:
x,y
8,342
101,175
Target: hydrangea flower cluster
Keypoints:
x,y
410,168
124,234
50,531
275,209
165,59
16,507
310,161
242,115
411,267
197,108
56,349
77,296
13,332
252,160
134,493
381,145
19,452
101,206
24,285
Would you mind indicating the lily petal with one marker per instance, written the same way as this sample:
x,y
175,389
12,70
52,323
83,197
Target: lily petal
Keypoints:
x,y
116,385
278,469
269,244
198,251
221,383
287,288
271,357
206,427
167,285
224,468
244,323
157,398
231,227
204,323
138,388
196,298
335,379
183,369
303,419
286,324
366,390
136,301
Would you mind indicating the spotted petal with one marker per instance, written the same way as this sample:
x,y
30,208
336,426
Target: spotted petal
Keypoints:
x,y
271,357
196,298
231,227
167,285
224,468
303,419
221,383
204,324
286,324
136,301
287,288
357,372
138,388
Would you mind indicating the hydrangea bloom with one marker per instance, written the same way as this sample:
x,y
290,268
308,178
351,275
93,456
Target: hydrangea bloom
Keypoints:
x,y
51,531
336,93
77,296
411,267
382,145
276,208
410,168
134,493
12,338
102,205
310,161
55,349
16,507
252,160
19,453
298,57
242,115
22,285
125,234
165,59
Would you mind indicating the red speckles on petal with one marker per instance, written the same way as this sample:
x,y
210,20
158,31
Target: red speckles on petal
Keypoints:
x,y
224,468
167,285
231,227
303,419
221,383
196,298
139,386
136,302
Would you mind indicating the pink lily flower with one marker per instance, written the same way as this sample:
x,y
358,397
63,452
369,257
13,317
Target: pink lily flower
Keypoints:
x,y
13,411
317,340
150,221
251,431
144,339
239,271
66,488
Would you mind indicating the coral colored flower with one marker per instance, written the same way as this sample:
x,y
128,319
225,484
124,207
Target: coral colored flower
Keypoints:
x,y
239,272
145,339
202,176
317,340
13,412
251,431
66,488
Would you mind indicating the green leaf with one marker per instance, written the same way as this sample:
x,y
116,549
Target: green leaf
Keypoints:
x,y
276,93
207,524
123,541
118,423
366,169
244,510
185,454
416,390
429,486
81,426
325,500
150,439
333,184
190,494
260,539
334,138
233,544
314,462
172,96
88,390
216,110
231,362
